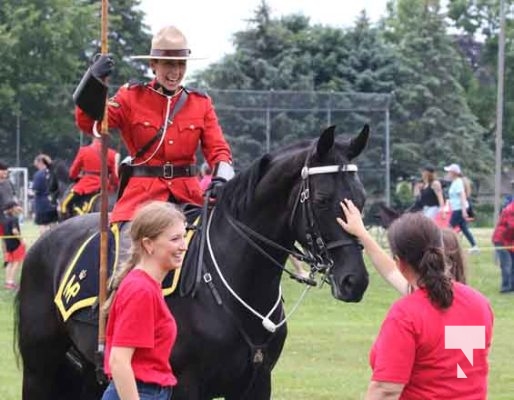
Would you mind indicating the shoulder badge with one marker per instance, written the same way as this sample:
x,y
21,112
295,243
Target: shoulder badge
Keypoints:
x,y
196,91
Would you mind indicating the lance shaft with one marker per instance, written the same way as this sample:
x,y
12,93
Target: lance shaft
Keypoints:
x,y
104,199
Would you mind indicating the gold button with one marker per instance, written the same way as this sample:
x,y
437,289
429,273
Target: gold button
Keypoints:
x,y
146,123
170,141
191,127
169,183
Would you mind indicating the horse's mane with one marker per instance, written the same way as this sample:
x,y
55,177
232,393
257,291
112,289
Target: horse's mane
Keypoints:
x,y
239,192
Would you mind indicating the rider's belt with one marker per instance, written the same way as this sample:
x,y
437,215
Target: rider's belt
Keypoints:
x,y
167,171
91,173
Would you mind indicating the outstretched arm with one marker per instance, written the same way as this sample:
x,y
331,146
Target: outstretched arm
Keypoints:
x,y
383,262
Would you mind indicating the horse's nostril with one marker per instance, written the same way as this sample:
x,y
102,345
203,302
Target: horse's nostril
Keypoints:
x,y
348,282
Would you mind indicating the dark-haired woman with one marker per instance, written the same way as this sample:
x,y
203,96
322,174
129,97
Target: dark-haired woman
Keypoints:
x,y
45,212
410,358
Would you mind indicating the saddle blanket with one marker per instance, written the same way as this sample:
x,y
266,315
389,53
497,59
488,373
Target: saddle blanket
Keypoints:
x,y
79,286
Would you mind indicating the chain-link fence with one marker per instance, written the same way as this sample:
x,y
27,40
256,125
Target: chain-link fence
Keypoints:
x,y
257,122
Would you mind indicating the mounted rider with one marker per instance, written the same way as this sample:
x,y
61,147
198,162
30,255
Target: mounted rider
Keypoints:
x,y
85,172
162,123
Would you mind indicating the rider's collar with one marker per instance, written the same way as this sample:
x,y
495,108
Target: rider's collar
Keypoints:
x,y
162,90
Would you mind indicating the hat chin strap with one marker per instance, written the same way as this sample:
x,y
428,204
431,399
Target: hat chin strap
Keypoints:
x,y
165,91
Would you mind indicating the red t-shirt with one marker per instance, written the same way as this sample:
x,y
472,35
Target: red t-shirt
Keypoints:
x,y
410,348
140,318
504,231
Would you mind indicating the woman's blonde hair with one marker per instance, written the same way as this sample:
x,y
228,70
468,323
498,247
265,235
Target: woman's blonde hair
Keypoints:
x,y
149,221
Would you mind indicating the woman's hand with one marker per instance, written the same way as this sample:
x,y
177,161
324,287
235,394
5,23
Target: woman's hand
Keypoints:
x,y
353,224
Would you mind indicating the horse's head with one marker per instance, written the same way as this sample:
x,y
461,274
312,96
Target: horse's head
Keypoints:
x,y
327,177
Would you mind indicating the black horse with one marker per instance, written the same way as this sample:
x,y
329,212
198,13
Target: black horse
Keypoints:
x,y
231,333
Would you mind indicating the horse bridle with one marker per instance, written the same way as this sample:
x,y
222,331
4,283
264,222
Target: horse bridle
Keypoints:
x,y
316,253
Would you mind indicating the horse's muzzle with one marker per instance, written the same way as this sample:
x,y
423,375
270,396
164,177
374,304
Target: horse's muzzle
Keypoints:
x,y
349,288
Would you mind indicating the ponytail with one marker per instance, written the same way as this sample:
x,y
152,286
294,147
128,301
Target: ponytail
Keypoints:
x,y
118,276
435,278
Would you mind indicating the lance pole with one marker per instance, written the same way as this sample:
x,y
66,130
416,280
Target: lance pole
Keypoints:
x,y
104,216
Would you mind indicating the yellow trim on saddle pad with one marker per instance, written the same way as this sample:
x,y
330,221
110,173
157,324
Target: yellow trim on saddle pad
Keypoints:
x,y
70,285
64,205
89,205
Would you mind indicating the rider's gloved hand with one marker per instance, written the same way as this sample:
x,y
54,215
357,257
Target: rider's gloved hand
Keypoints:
x,y
214,188
103,65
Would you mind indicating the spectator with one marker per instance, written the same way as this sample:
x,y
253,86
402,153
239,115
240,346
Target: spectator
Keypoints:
x,y
503,240
45,212
7,195
141,331
431,193
459,204
14,245
409,358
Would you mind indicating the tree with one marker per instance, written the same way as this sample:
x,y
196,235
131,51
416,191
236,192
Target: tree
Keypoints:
x,y
43,46
433,121
289,53
478,22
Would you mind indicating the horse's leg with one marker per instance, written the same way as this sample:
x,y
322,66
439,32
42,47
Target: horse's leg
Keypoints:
x,y
42,362
42,340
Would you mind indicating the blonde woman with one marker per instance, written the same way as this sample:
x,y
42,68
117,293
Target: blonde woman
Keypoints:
x,y
141,330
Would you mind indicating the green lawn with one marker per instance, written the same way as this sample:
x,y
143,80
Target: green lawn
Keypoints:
x,y
326,353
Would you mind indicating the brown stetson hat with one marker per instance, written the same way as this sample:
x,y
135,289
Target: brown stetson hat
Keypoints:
x,y
169,44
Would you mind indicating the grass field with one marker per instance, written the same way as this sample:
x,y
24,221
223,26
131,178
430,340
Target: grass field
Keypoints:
x,y
326,353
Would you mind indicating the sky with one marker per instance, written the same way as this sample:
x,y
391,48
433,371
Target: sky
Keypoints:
x,y
209,25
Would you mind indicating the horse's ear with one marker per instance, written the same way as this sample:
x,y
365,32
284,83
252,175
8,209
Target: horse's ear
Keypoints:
x,y
358,143
325,141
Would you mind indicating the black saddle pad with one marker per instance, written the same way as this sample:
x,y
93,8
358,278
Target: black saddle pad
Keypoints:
x,y
79,285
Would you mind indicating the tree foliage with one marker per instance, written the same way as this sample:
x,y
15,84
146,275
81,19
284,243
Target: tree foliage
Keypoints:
x,y
45,48
433,121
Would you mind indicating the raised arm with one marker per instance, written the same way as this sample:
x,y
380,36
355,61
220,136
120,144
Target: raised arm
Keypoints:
x,y
383,262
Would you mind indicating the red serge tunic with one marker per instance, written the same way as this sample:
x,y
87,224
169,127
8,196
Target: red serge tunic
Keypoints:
x,y
88,162
139,111
140,318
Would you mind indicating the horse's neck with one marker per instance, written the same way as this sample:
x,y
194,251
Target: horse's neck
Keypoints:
x,y
247,259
